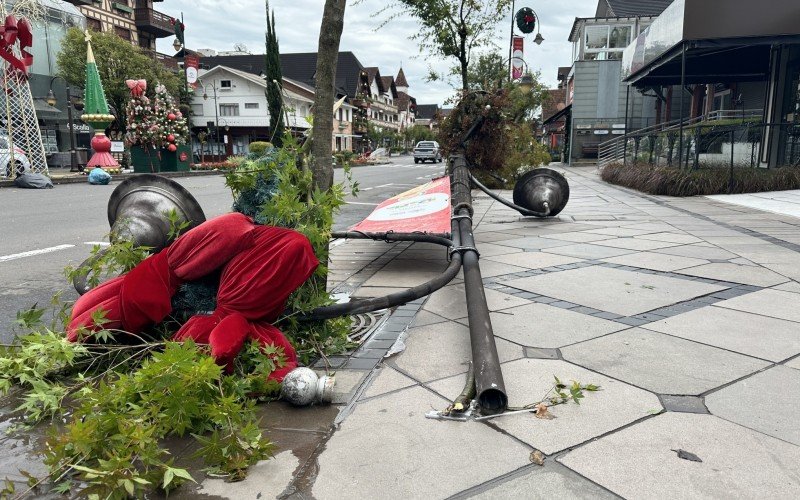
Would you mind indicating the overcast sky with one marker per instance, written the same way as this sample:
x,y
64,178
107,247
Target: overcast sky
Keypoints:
x,y
220,24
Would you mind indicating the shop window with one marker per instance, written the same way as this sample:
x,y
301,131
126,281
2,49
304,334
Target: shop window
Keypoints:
x,y
94,24
603,43
229,110
123,33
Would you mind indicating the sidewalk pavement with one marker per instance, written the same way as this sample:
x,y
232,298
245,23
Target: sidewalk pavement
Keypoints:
x,y
683,310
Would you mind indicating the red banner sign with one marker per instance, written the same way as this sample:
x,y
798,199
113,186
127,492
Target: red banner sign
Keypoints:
x,y
192,64
517,62
424,209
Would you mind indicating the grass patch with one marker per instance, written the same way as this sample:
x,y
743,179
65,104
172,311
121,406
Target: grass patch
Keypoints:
x,y
671,181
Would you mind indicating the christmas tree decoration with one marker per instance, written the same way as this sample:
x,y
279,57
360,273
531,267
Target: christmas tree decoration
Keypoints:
x,y
97,114
21,126
172,129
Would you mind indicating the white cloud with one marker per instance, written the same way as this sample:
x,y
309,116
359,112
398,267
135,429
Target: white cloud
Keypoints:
x,y
219,25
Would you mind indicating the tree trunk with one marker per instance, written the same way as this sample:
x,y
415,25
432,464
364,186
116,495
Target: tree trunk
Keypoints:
x,y
327,56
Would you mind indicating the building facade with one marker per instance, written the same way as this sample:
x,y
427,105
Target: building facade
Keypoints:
x,y
230,109
133,20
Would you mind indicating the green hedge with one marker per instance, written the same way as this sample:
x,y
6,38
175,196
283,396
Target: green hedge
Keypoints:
x,y
258,147
671,181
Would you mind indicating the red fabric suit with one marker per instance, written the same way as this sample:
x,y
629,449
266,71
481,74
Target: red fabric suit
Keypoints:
x,y
261,266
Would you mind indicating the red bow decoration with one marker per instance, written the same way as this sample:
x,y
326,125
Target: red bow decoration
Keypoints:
x,y
137,87
10,32
260,267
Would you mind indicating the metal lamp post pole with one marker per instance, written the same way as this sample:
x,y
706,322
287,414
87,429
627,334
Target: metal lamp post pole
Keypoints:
x,y
511,42
216,115
73,163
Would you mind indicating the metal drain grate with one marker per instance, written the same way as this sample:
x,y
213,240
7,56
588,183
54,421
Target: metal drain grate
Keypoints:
x,y
364,324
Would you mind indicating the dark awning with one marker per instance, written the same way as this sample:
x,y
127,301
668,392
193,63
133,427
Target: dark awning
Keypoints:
x,y
725,40
558,115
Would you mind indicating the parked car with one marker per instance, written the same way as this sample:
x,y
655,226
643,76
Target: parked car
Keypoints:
x,y
21,163
427,150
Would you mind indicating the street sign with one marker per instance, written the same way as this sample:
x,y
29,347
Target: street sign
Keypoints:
x,y
425,209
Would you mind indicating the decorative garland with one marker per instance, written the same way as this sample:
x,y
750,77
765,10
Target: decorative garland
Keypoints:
x,y
526,20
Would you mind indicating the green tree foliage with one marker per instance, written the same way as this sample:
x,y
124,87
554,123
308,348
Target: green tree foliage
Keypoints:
x,y
274,81
453,28
505,146
117,61
488,73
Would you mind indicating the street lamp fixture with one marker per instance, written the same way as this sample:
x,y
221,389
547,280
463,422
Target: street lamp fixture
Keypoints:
x,y
526,83
539,39
177,45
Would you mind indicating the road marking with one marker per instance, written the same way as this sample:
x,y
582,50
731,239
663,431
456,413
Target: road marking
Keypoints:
x,y
31,253
97,243
359,203
365,189
384,185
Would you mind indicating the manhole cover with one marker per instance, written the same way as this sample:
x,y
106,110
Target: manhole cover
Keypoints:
x,y
364,324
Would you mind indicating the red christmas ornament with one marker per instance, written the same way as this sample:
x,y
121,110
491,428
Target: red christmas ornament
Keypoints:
x,y
171,116
171,138
172,148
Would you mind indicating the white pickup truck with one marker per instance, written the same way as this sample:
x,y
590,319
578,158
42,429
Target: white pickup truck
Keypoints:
x,y
427,150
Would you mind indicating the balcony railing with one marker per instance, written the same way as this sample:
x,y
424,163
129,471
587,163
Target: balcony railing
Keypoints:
x,y
155,22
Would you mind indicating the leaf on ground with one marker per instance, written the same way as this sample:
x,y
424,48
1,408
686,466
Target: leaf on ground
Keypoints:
x,y
537,457
543,413
687,455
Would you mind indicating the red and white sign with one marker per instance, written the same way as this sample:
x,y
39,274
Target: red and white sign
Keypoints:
x,y
424,209
516,57
192,64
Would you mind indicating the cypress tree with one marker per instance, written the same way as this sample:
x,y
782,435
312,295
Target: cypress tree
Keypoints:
x,y
274,81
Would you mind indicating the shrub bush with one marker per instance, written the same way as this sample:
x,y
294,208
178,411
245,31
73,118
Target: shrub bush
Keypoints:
x,y
671,181
258,147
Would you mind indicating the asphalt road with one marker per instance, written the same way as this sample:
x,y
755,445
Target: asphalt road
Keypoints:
x,y
42,231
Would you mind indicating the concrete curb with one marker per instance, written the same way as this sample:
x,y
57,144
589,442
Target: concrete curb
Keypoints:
x,y
81,178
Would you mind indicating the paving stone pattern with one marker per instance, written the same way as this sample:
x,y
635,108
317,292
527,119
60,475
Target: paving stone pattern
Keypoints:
x,y
681,316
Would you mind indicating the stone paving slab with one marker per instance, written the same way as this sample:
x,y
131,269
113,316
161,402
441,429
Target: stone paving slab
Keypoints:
x,y
622,292
794,363
387,449
450,302
407,273
530,260
386,380
748,275
541,325
443,350
759,336
656,261
698,252
767,402
681,238
661,363
774,303
552,480
793,287
529,380
533,243
638,462
635,244
588,251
